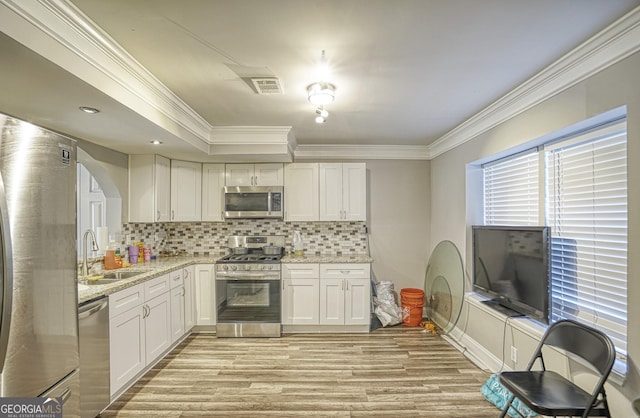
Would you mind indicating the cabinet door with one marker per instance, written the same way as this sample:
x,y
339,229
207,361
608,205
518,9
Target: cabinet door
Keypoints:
x,y
357,302
300,301
177,313
239,175
157,326
205,295
332,301
186,191
189,300
301,190
126,346
212,185
354,192
162,188
268,175
330,191
149,188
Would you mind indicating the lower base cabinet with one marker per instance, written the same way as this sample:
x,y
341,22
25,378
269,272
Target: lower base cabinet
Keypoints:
x,y
345,294
300,294
139,329
205,294
189,298
326,294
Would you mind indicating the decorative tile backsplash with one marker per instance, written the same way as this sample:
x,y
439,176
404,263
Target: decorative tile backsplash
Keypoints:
x,y
210,238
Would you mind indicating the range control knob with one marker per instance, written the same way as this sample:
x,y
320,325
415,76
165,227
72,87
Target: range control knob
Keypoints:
x,y
234,267
225,267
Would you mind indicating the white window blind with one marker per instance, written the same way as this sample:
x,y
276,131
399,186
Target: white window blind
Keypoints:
x,y
511,190
587,212
585,204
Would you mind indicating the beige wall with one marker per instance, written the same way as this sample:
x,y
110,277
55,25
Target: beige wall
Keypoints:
x,y
609,89
111,170
398,220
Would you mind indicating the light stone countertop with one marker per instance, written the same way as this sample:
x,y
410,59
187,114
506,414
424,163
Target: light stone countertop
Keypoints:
x,y
148,271
165,265
327,258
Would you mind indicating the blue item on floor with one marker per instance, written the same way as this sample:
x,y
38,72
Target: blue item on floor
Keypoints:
x,y
498,395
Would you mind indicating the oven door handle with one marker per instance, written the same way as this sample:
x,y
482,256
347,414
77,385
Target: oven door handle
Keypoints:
x,y
249,276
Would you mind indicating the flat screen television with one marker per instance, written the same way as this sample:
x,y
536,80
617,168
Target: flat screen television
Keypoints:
x,y
511,267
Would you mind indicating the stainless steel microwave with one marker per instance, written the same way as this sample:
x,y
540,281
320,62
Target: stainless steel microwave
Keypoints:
x,y
241,202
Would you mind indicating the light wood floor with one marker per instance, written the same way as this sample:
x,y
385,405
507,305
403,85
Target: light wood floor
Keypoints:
x,y
390,372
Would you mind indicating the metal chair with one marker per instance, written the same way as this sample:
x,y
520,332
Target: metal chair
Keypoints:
x,y
547,392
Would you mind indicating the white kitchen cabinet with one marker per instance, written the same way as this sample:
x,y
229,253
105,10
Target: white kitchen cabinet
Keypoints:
x,y
177,313
205,294
157,326
149,188
186,191
212,186
126,346
189,298
268,174
343,191
300,294
332,296
177,305
345,294
139,328
301,190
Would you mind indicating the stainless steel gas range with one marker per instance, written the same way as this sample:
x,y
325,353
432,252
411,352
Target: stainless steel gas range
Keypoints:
x,y
248,284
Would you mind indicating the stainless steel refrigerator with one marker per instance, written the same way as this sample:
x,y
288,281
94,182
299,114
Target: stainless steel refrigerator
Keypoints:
x,y
39,322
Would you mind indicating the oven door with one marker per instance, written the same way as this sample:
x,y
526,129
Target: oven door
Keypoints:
x,y
247,297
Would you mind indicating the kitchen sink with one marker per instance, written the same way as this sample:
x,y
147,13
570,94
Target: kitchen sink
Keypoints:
x,y
113,276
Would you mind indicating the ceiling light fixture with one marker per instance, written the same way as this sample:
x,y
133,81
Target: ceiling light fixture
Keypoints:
x,y
322,115
156,142
90,110
321,93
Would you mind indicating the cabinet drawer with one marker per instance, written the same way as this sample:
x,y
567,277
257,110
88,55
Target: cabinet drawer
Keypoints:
x,y
176,278
126,299
301,271
157,286
345,271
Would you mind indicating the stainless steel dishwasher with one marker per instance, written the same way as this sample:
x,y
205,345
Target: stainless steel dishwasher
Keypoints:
x,y
93,321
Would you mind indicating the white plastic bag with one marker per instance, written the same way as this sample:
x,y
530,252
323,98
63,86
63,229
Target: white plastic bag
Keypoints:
x,y
386,309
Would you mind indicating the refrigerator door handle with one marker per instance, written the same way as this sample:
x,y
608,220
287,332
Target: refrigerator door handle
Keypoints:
x,y
6,276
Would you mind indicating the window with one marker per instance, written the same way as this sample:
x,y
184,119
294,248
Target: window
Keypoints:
x,y
584,201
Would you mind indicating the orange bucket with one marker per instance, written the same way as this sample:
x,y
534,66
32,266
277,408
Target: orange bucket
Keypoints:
x,y
412,302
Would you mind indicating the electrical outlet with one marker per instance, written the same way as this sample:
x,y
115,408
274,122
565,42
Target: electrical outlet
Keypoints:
x,y
514,354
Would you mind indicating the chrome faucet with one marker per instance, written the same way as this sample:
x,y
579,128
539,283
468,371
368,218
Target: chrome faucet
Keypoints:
x,y
94,247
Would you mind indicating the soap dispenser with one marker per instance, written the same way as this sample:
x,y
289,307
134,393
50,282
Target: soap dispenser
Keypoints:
x,y
298,246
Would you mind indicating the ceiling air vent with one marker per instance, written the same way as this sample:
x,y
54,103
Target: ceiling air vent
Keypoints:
x,y
267,85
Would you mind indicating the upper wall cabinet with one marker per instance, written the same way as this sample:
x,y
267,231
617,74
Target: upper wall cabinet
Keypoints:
x,y
254,174
186,191
149,188
343,192
212,184
301,192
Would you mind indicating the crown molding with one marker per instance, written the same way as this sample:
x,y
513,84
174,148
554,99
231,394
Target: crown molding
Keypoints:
x,y
85,50
257,143
611,45
361,152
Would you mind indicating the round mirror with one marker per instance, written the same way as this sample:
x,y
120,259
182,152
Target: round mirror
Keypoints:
x,y
444,286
